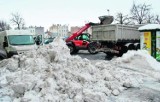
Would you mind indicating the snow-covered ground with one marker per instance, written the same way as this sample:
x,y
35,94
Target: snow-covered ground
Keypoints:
x,y
51,74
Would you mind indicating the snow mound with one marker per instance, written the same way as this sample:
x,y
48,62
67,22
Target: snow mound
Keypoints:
x,y
143,56
139,61
51,74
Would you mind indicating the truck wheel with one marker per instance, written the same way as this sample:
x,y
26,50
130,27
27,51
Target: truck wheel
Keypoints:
x,y
73,50
119,54
76,51
137,46
130,46
109,56
92,48
123,50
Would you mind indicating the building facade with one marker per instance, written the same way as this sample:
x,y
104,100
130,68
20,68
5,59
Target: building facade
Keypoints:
x,y
59,30
38,32
74,29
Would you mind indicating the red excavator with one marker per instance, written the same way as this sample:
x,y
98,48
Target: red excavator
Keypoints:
x,y
80,41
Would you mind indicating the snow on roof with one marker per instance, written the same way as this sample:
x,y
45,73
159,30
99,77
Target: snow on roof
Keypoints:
x,y
150,27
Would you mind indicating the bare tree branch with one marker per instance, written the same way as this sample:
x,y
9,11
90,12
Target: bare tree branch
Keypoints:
x,y
122,19
150,19
157,19
4,26
140,12
17,20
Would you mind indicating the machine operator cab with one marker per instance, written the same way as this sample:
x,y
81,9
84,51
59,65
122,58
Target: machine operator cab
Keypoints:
x,y
84,36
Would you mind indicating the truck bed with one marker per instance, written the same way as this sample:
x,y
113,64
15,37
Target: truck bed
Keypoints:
x,y
114,32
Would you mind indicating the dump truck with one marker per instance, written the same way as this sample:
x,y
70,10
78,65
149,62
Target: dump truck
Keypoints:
x,y
114,39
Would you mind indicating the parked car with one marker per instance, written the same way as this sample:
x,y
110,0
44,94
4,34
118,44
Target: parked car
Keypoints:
x,y
49,40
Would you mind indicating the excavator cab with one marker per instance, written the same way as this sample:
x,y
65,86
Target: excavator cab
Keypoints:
x,y
84,36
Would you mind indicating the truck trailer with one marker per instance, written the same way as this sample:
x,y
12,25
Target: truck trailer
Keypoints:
x,y
114,39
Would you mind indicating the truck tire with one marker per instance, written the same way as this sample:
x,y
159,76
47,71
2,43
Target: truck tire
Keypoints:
x,y
76,51
73,50
123,50
137,46
109,56
92,48
130,46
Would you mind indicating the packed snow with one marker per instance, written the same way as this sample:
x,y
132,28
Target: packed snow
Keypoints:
x,y
51,74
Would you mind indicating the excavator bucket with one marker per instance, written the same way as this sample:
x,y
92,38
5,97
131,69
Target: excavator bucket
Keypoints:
x,y
106,19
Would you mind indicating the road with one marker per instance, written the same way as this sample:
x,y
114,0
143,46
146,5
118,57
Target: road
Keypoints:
x,y
86,54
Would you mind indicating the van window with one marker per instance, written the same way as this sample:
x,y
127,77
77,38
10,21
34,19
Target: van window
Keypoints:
x,y
21,39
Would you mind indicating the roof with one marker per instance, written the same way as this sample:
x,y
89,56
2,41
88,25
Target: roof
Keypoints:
x,y
18,32
150,27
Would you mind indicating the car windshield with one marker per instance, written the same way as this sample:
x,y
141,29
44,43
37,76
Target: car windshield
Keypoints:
x,y
21,39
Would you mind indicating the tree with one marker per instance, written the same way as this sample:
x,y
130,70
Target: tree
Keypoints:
x,y
17,20
140,12
4,26
157,19
122,19
150,19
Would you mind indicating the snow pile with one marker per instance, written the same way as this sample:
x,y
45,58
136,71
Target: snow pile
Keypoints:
x,y
52,75
144,57
140,61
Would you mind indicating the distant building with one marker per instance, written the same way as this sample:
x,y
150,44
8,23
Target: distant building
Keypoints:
x,y
74,29
47,35
59,30
36,30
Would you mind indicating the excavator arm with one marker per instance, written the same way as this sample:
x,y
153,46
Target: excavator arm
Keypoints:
x,y
79,32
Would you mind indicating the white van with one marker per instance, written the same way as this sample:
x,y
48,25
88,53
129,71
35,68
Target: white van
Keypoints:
x,y
16,41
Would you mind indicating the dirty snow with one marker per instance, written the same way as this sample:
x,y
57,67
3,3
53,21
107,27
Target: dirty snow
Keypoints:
x,y
51,74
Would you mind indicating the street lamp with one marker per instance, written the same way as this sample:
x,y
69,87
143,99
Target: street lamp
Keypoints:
x,y
108,11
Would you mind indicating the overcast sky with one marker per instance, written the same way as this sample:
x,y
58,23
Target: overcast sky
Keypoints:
x,y
73,12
